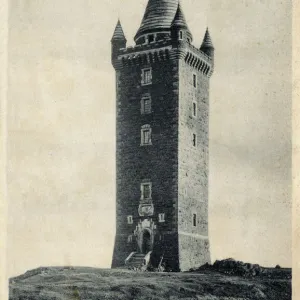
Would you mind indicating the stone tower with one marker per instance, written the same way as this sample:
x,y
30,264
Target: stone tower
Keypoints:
x,y
162,132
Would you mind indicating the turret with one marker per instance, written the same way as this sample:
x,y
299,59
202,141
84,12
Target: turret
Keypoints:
x,y
179,28
118,41
155,25
207,45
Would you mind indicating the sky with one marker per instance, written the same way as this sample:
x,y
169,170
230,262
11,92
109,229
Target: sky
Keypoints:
x,y
61,129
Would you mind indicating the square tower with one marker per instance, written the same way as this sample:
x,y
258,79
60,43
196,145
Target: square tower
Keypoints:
x,y
162,142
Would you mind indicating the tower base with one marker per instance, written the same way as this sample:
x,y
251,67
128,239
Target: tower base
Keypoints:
x,y
193,251
177,252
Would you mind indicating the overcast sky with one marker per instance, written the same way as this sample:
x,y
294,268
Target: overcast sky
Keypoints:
x,y
61,122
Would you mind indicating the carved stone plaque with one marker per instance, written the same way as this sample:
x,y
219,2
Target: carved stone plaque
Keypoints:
x,y
146,210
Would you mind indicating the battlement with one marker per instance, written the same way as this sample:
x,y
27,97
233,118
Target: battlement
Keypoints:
x,y
200,53
165,49
145,47
161,44
199,60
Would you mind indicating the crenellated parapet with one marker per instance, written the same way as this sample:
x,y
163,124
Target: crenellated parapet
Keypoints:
x,y
199,60
164,50
143,54
145,47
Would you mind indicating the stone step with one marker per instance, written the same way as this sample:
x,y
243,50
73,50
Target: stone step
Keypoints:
x,y
139,258
137,261
135,264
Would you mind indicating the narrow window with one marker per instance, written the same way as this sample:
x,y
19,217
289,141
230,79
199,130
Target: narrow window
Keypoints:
x,y
150,38
146,133
185,192
146,104
180,35
146,190
146,76
194,80
161,218
194,140
129,240
146,137
194,220
129,220
142,40
194,109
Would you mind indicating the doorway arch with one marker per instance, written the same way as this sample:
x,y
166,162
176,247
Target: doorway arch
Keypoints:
x,y
146,242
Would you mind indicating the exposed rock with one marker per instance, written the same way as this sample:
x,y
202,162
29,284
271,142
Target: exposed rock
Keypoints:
x,y
233,267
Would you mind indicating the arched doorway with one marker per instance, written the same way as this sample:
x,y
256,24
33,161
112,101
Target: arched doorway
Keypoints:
x,y
146,242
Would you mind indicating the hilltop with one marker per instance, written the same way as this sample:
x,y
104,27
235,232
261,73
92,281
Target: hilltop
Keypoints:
x,y
207,283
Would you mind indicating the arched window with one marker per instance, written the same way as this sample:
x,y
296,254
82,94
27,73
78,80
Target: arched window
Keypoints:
x,y
146,190
146,76
146,107
146,133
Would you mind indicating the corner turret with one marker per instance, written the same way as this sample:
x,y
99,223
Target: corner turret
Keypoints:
x,y
207,45
179,27
118,42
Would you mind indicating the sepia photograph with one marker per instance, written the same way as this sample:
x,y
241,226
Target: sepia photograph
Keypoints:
x,y
149,149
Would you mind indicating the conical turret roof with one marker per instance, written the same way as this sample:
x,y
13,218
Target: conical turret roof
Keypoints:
x,y
207,43
158,16
179,20
118,33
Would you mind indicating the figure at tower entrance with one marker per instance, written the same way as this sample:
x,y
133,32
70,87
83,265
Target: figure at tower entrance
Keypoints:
x,y
162,141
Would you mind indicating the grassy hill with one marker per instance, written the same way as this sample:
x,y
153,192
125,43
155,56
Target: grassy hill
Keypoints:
x,y
80,283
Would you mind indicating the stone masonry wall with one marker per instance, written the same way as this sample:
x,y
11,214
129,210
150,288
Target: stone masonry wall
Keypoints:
x,y
193,251
158,162
193,168
177,170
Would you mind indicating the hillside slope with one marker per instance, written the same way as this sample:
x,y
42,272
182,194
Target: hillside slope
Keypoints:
x,y
60,283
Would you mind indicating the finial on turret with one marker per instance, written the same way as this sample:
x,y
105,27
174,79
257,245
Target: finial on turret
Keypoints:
x,y
119,33
207,45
